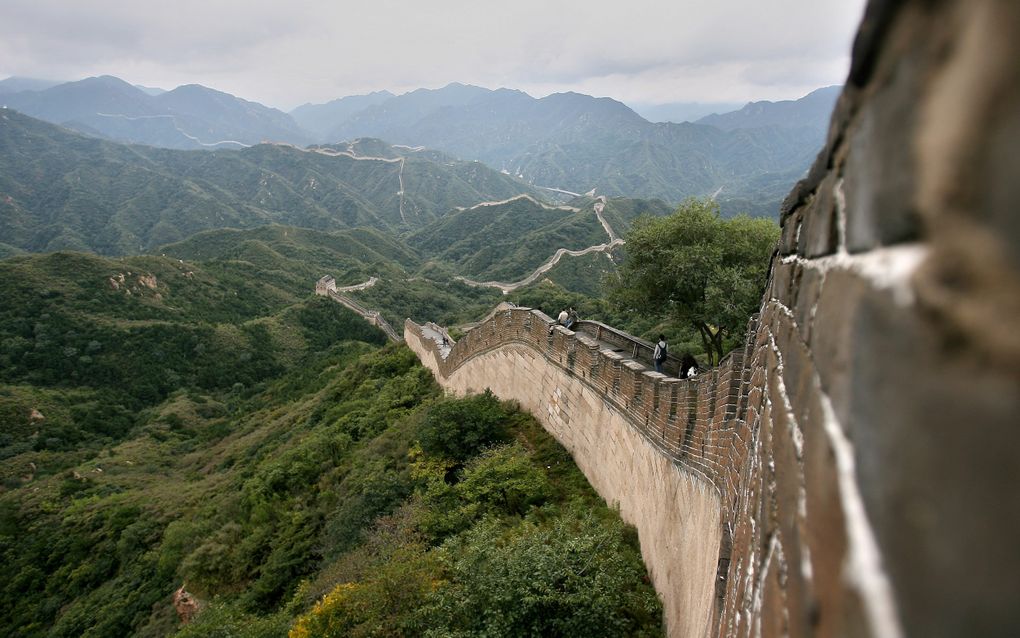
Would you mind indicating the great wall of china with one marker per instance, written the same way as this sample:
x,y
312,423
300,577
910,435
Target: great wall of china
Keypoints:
x,y
326,287
848,472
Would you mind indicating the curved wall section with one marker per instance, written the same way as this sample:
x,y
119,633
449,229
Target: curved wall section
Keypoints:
x,y
623,431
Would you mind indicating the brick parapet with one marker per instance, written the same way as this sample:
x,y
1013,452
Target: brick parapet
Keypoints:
x,y
689,420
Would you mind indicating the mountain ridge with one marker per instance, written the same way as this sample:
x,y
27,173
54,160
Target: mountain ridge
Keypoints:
x,y
187,117
566,141
63,190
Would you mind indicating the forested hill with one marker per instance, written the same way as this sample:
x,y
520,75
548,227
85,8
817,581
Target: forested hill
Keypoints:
x,y
506,241
61,190
577,142
171,423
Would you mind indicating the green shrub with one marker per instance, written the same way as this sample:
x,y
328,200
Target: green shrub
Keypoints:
x,y
227,621
460,428
573,576
503,479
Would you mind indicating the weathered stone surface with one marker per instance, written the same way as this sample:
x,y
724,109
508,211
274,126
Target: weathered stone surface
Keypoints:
x,y
832,346
879,172
788,237
811,281
819,233
928,474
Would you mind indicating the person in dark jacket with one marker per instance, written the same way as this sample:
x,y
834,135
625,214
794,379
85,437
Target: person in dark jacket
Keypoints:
x,y
660,353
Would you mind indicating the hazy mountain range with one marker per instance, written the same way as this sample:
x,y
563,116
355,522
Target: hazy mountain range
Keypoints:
x,y
567,141
61,190
188,117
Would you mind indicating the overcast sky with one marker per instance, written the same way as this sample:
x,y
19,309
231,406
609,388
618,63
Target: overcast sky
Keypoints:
x,y
289,52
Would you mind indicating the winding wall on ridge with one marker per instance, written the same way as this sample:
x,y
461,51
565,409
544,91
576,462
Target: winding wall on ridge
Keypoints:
x,y
849,471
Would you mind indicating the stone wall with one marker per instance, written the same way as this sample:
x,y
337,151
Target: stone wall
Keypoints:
x,y
860,449
892,322
326,286
616,422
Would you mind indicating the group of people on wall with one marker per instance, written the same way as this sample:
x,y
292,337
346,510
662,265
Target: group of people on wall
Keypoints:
x,y
688,364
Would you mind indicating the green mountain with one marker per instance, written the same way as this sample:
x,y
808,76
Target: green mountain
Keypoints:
x,y
298,256
202,425
565,141
321,119
507,240
620,212
15,84
813,110
59,190
577,142
681,111
188,117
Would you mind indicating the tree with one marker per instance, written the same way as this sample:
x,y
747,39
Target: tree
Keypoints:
x,y
459,429
697,268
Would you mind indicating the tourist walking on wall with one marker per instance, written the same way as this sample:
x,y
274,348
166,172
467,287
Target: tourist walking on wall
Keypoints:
x,y
563,317
660,354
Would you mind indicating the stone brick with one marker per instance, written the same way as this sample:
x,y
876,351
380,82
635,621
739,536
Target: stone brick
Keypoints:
x,y
953,423
825,528
773,609
782,282
879,173
833,349
790,232
810,289
818,233
789,484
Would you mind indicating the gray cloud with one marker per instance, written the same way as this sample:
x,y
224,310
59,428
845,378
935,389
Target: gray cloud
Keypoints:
x,y
283,54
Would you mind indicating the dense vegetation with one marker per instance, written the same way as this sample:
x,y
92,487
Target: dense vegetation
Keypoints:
x,y
507,241
202,423
197,419
59,190
90,342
